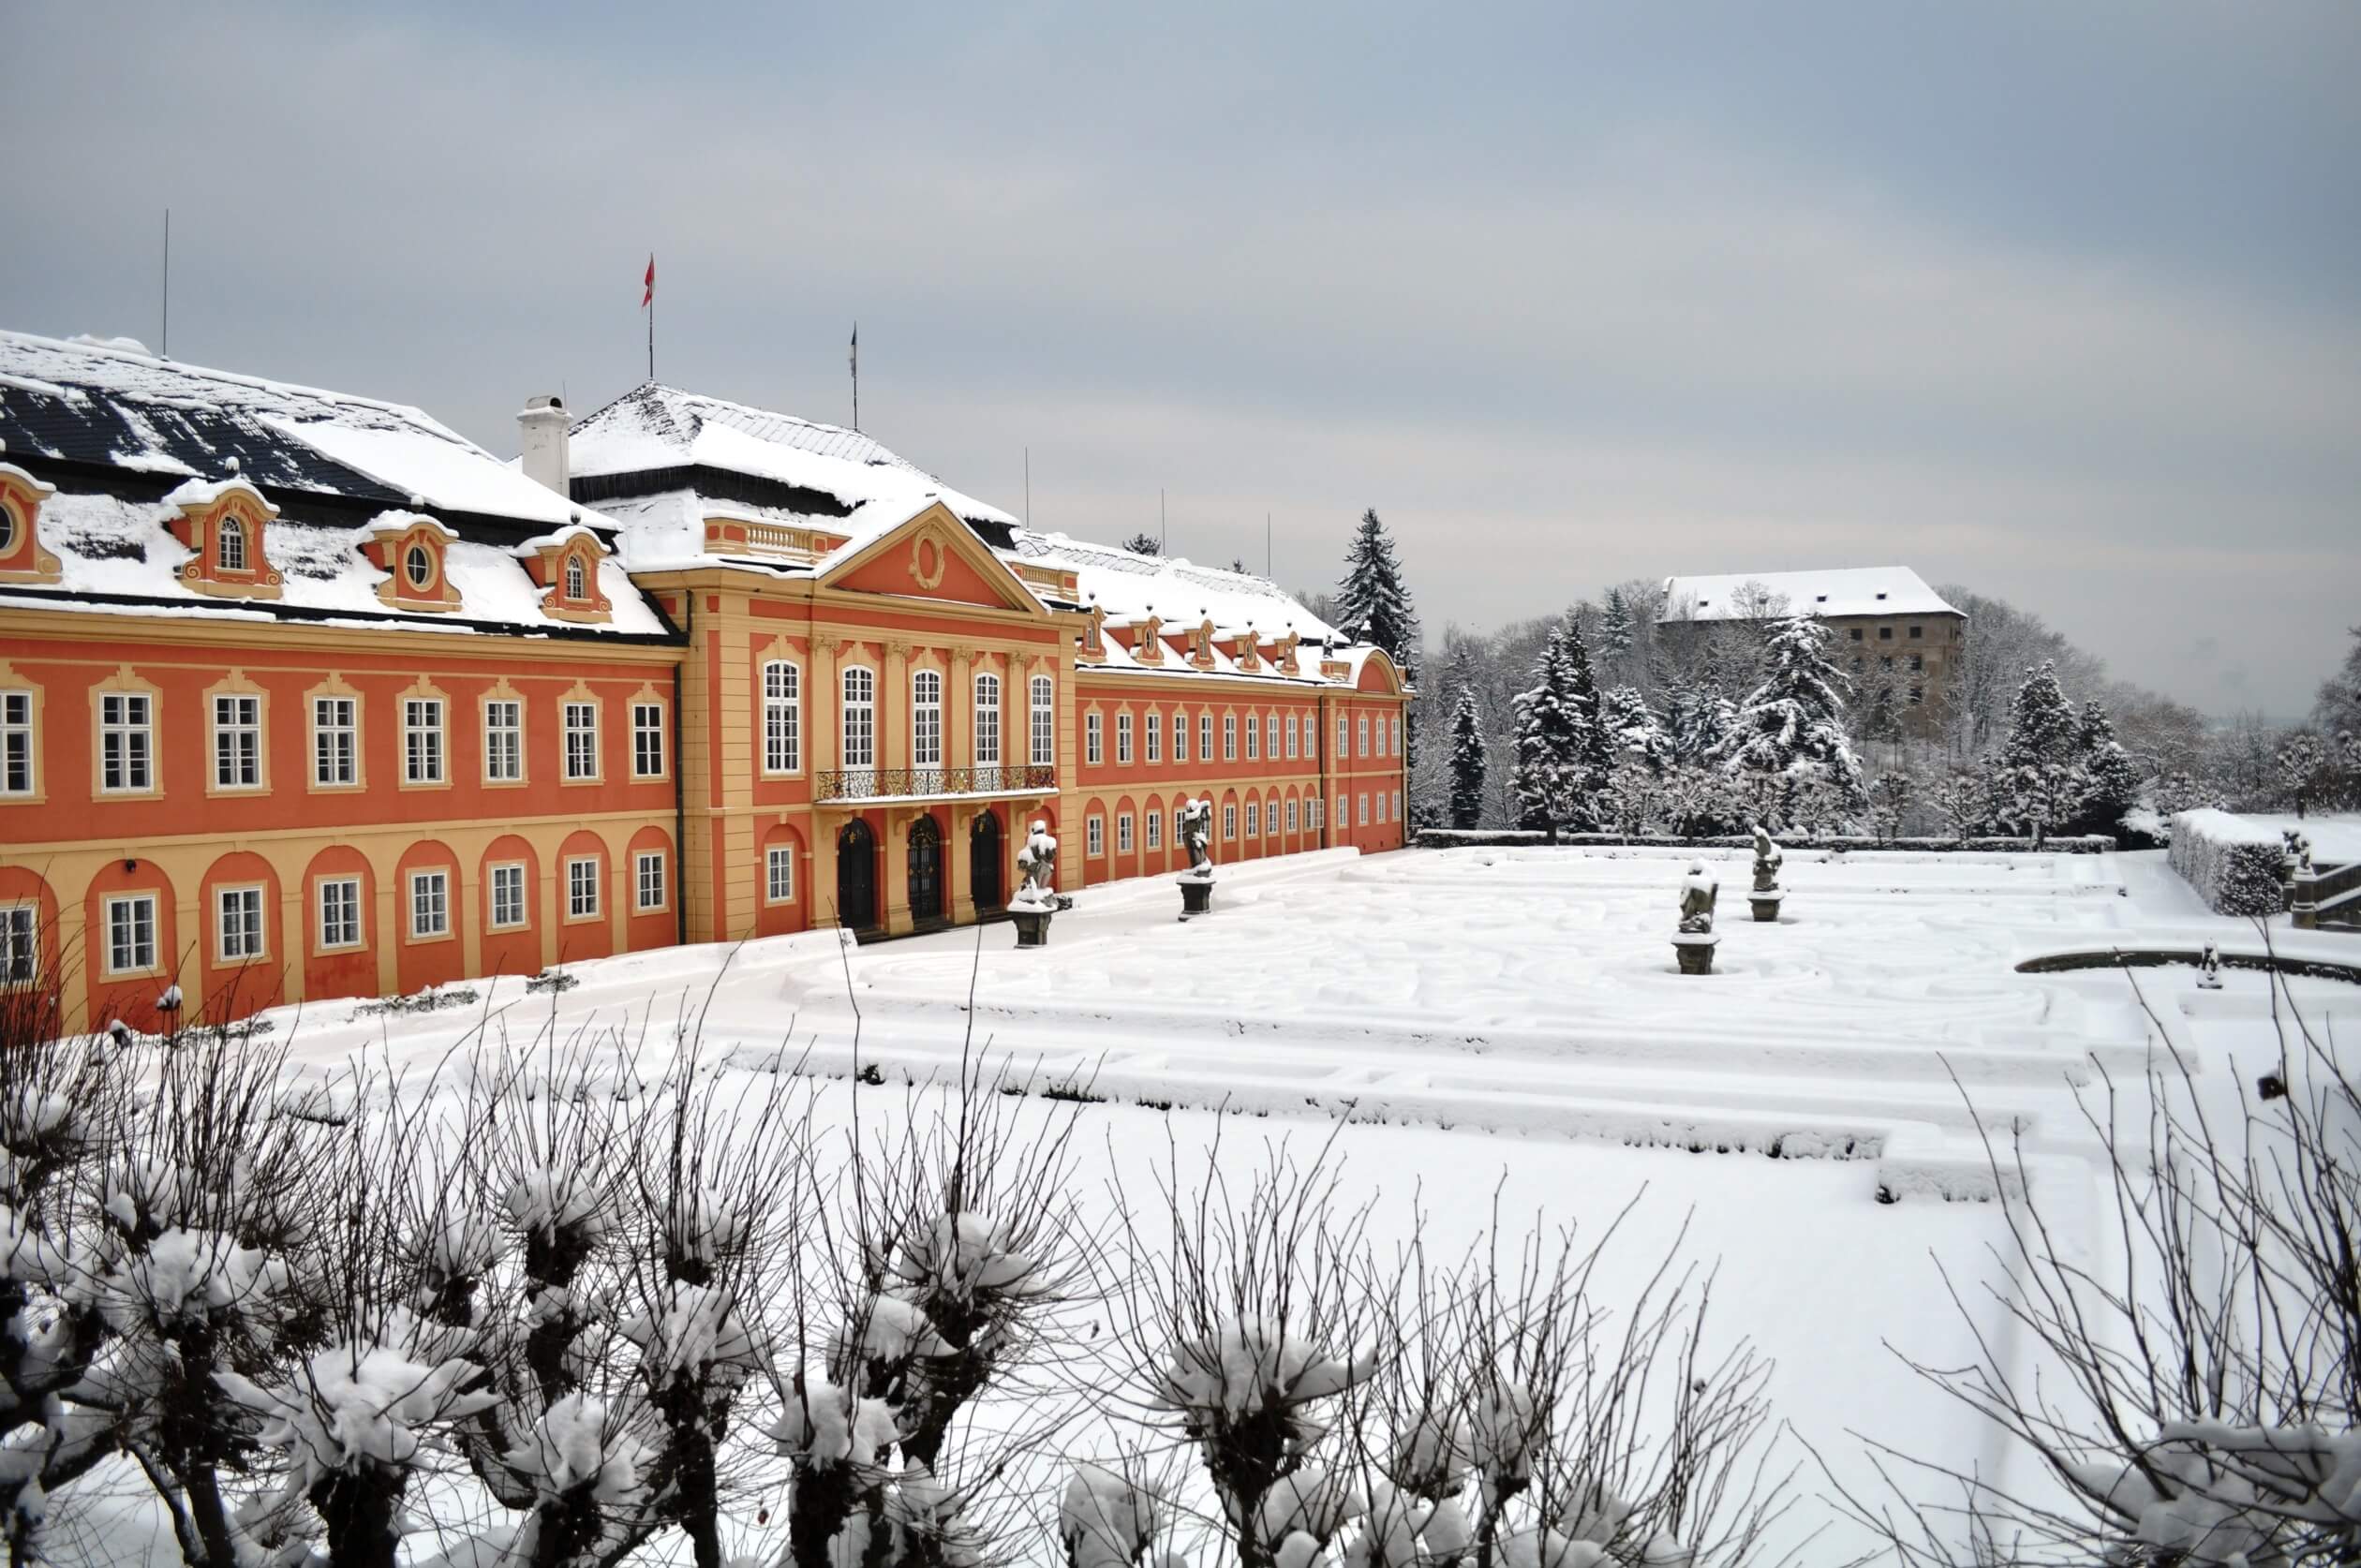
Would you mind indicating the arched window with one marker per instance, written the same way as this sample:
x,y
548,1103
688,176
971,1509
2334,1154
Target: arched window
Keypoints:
x,y
782,719
417,564
233,550
575,587
1045,724
988,721
926,719
860,717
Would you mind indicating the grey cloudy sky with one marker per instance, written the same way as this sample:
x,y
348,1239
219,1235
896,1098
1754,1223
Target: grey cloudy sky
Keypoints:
x,y
2061,302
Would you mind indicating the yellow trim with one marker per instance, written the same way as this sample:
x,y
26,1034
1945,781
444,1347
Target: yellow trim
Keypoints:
x,y
156,933
313,946
502,691
422,690
237,684
221,931
126,683
409,898
333,684
37,793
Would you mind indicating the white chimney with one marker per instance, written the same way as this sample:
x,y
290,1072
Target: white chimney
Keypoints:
x,y
543,423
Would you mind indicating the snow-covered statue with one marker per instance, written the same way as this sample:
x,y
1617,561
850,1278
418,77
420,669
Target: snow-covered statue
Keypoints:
x,y
1767,860
1698,895
1038,861
2209,968
1196,835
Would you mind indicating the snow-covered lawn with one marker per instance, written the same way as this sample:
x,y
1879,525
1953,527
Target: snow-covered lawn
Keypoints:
x,y
1506,1030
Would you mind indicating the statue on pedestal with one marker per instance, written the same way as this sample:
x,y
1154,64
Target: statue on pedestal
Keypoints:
x,y
1698,893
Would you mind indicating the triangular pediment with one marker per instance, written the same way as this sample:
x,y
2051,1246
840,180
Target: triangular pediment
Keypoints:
x,y
932,555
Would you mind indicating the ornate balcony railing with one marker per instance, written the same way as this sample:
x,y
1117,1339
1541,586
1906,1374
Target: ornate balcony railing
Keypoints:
x,y
843,784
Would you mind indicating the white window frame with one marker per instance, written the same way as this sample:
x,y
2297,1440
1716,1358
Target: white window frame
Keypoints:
x,y
336,741
1291,813
231,532
504,740
1094,837
856,716
1042,707
504,878
988,719
1123,740
126,744
1093,737
1253,819
1344,737
1292,751
1229,821
582,892
783,717
1393,728
778,859
1151,736
925,719
131,916
1180,736
648,741
433,881
1205,737
1344,812
1254,738
1229,737
1397,806
20,753
1364,808
237,739
577,581
20,944
579,720
648,874
1363,728
333,911
426,751
1122,832
1271,737
242,935
1154,823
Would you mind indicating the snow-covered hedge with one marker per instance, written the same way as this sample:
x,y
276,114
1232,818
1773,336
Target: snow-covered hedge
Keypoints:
x,y
2232,862
1460,838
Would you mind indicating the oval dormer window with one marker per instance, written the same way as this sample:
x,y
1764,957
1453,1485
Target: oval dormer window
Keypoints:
x,y
7,532
574,580
418,565
233,551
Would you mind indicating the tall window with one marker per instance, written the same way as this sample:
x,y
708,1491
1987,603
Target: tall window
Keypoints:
x,y
926,719
1180,737
336,741
647,740
20,944
1123,738
233,554
1364,734
988,721
1393,747
778,873
1094,835
1205,737
237,733
1123,832
15,743
1093,737
582,888
1271,737
1229,737
1253,742
1253,819
1291,813
577,587
582,740
782,717
1229,823
1291,737
1045,723
238,923
1397,805
340,912
131,933
508,897
1154,824
1364,808
423,740
860,717
647,880
1343,739
1342,808
504,741
126,742
1151,730
430,904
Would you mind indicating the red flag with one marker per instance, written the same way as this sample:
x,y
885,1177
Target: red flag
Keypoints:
x,y
649,298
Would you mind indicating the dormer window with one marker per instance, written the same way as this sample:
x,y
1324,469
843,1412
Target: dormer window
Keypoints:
x,y
225,525
565,567
233,551
413,552
574,577
418,565
22,557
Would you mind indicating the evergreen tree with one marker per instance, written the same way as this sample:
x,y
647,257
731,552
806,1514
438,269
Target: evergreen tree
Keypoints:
x,y
1633,728
1468,763
1791,730
1371,595
1144,545
1548,776
1615,635
2338,710
2037,783
1594,753
2042,726
2110,779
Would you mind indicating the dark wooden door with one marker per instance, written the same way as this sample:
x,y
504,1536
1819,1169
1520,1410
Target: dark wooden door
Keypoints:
x,y
984,862
925,870
856,876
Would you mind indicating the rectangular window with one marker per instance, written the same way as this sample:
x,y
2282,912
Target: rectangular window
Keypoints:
x,y
1097,836
1918,664
1291,816
238,923
1394,745
336,741
1254,738
1292,752
1229,737
1253,819
1364,734
1364,808
1397,805
647,740
926,719
131,934
783,717
1093,737
778,873
1180,737
582,888
126,742
20,944
1123,832
1205,737
1044,723
15,743
1917,632
1344,737
1229,824
430,904
1152,731
1885,634
508,897
647,880
988,721
1155,830
1342,819
859,734
1381,807
1918,695
582,740
423,740
340,912
1123,738
237,728
504,741
1271,737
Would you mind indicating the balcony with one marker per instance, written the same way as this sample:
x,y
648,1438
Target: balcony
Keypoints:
x,y
861,786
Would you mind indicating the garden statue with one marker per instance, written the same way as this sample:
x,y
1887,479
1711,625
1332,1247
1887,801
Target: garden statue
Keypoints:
x,y
2209,968
1196,834
1695,942
1766,893
1036,898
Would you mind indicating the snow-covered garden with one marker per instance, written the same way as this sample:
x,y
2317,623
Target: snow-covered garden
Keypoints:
x,y
1264,1238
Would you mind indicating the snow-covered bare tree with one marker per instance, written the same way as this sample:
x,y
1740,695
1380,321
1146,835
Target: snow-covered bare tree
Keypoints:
x,y
2301,762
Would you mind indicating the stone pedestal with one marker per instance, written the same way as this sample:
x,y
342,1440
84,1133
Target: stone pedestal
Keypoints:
x,y
1197,896
1696,951
1032,925
1765,902
2304,899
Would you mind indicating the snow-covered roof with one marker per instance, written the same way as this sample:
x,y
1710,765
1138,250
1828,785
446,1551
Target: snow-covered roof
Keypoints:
x,y
116,406
1180,592
657,427
1840,591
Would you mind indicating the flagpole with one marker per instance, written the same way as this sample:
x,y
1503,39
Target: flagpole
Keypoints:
x,y
857,377
651,323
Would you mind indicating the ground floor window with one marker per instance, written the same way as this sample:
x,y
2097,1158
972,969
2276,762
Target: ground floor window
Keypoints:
x,y
778,873
1342,819
508,897
238,923
1229,823
20,944
430,904
582,888
1364,808
1095,832
1123,832
647,880
1397,805
1155,830
1253,819
340,912
131,934
1291,816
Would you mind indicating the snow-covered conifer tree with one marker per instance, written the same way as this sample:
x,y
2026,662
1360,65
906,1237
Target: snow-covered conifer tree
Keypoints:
x,y
1615,633
1791,730
1634,729
1548,735
1468,763
2301,758
2111,779
1372,594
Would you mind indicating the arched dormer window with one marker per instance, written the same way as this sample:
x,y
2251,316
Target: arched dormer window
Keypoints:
x,y
232,545
576,584
225,524
565,567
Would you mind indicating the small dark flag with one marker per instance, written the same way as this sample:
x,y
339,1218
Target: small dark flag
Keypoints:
x,y
648,296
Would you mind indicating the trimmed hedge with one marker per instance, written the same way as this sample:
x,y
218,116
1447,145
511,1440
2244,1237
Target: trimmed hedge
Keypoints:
x,y
1460,838
2232,864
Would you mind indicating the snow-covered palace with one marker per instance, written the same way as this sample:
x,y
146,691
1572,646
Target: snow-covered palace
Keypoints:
x,y
303,695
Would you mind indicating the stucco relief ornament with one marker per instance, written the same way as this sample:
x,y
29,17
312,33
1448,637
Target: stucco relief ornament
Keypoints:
x,y
925,561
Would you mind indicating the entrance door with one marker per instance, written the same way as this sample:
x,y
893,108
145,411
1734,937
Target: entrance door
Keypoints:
x,y
856,876
925,871
983,862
